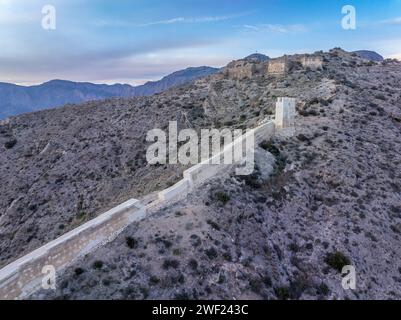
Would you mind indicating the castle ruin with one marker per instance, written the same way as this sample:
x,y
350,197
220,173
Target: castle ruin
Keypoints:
x,y
277,66
312,62
243,69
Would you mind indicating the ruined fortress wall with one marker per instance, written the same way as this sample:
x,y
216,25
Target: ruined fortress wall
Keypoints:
x,y
312,62
241,70
277,66
24,276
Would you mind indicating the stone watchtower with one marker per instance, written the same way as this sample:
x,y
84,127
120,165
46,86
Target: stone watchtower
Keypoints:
x,y
285,115
277,66
312,62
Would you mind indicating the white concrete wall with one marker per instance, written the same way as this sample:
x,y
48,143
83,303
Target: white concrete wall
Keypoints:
x,y
285,113
24,276
206,170
180,188
312,62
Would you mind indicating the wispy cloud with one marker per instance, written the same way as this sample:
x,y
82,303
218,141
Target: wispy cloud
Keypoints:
x,y
190,20
276,28
393,21
175,20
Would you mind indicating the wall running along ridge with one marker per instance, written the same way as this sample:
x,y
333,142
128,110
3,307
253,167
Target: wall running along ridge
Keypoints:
x,y
24,276
21,278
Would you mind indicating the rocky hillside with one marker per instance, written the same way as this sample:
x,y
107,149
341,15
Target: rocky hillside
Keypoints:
x,y
333,197
16,99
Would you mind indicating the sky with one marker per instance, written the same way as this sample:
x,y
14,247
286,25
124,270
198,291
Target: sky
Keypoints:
x,y
134,41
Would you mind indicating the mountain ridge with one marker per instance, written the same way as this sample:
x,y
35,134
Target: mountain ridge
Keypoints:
x,y
16,99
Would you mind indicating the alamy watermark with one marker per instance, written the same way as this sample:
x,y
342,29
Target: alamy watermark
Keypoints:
x,y
49,17
348,22
348,275
213,147
49,278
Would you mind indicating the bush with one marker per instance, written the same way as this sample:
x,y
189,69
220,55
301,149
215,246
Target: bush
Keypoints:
x,y
171,263
193,264
11,143
222,197
266,145
323,289
97,264
252,180
79,271
256,285
131,242
213,224
380,97
211,253
282,293
154,280
301,137
337,260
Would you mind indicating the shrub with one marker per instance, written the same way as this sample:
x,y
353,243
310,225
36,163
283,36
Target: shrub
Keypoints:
x,y
301,137
267,281
97,264
282,293
213,224
193,264
182,296
131,242
293,247
268,146
171,263
256,285
337,260
154,280
252,180
323,289
11,143
211,253
79,271
380,97
222,197
396,228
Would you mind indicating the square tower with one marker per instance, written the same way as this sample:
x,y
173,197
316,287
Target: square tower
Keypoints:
x,y
312,62
285,113
277,66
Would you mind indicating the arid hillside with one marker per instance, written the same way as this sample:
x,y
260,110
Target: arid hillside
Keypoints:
x,y
334,195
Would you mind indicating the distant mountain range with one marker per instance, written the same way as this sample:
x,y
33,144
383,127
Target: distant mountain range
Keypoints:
x,y
369,55
15,99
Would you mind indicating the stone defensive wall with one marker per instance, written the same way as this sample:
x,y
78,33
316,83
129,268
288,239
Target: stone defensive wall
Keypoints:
x,y
313,62
245,69
24,276
277,66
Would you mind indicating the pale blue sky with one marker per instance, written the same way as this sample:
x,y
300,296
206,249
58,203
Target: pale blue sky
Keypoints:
x,y
133,41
